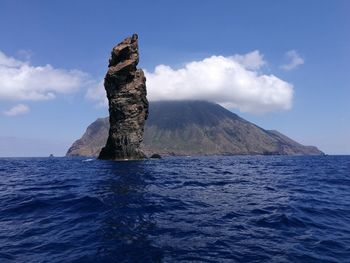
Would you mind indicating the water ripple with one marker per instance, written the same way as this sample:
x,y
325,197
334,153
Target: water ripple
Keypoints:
x,y
208,209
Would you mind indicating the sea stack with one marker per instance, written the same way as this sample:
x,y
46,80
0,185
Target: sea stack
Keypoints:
x,y
128,106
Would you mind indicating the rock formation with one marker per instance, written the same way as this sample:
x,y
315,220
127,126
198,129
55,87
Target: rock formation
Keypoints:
x,y
128,106
196,128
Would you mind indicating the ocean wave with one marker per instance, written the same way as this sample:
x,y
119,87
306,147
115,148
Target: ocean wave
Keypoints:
x,y
179,209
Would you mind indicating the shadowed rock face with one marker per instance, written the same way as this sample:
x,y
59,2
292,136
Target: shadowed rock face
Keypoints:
x,y
128,106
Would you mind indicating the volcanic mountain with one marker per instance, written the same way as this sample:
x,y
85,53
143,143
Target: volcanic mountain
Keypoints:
x,y
195,128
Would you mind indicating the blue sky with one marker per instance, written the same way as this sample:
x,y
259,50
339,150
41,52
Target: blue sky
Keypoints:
x,y
309,101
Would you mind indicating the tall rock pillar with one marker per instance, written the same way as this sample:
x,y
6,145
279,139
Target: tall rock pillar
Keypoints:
x,y
128,106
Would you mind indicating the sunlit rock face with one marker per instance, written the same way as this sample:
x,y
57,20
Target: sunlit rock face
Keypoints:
x,y
128,106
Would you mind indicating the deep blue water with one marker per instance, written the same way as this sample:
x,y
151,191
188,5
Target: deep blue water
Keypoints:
x,y
208,209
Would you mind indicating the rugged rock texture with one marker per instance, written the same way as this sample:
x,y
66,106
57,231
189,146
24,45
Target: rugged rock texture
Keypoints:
x,y
196,128
128,106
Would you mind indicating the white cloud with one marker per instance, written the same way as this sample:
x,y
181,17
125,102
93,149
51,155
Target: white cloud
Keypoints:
x,y
19,109
21,81
97,93
252,60
232,81
294,60
25,54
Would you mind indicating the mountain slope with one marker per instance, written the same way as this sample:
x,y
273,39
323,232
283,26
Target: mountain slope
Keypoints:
x,y
195,128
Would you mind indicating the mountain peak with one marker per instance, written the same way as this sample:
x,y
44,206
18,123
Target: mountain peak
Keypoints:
x,y
197,128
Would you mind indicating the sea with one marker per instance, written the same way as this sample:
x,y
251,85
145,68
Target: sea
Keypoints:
x,y
176,209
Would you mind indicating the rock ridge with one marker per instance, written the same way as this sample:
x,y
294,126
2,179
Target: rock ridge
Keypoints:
x,y
196,128
125,86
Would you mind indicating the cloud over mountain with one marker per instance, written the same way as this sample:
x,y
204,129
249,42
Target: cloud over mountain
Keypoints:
x,y
234,81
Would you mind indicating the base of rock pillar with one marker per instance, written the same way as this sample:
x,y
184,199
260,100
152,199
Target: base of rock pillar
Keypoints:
x,y
110,154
